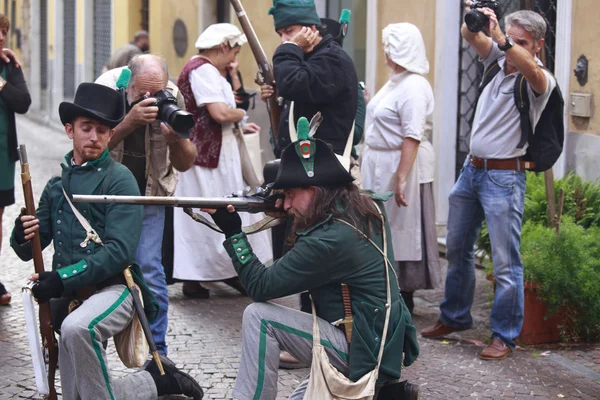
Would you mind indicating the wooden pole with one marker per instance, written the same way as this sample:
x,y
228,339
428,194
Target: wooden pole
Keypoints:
x,y
550,197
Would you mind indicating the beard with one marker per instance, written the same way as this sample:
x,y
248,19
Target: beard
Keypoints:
x,y
300,220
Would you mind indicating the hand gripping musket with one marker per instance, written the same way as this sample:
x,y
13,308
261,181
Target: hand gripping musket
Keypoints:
x,y
264,67
261,201
49,347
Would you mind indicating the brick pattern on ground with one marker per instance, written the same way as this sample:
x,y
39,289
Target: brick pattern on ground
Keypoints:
x,y
204,336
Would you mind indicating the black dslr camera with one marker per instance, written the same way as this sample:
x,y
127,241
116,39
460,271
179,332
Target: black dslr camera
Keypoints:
x,y
168,111
475,20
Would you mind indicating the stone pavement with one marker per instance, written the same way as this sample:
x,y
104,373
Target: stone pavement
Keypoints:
x,y
205,335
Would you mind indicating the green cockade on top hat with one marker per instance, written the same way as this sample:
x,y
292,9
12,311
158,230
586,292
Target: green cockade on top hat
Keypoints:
x,y
306,147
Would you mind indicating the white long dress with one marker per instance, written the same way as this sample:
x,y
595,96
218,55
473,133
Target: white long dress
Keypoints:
x,y
400,109
199,251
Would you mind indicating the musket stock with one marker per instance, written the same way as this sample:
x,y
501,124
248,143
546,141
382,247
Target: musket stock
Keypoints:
x,y
48,340
264,67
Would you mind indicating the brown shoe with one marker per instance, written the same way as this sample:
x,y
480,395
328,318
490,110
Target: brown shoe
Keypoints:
x,y
5,299
439,330
496,350
195,290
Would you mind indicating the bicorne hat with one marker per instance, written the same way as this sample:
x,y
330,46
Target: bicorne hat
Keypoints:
x,y
337,29
95,101
311,162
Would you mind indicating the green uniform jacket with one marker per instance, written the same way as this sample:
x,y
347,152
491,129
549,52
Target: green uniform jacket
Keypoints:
x,y
118,225
323,257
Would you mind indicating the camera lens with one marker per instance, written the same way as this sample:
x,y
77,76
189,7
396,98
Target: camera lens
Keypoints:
x,y
181,122
475,21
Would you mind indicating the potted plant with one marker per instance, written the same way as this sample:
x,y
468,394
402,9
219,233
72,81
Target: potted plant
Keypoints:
x,y
562,283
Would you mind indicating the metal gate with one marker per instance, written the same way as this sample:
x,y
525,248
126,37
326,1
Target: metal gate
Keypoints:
x,y
44,44
471,69
69,49
145,11
102,34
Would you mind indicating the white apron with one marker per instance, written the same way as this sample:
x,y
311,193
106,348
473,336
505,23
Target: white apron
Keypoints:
x,y
381,157
199,251
378,173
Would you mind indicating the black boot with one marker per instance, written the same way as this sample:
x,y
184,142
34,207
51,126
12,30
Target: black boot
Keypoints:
x,y
173,381
236,284
398,391
408,300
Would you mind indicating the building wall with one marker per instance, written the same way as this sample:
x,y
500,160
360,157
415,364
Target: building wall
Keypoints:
x,y
128,18
420,13
584,41
163,14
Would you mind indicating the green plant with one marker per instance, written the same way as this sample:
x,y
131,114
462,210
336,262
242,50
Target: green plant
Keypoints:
x,y
567,269
581,204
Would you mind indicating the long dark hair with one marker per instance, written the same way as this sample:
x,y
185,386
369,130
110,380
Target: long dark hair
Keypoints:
x,y
344,202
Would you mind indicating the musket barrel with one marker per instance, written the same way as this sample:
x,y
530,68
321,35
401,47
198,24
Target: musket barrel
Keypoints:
x,y
193,202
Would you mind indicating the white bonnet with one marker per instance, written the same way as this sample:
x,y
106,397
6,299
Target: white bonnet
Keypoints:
x,y
217,34
403,43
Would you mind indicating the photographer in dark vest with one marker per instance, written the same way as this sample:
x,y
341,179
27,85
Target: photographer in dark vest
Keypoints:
x,y
153,152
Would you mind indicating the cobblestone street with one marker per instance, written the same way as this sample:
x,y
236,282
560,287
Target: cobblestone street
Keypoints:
x,y
204,336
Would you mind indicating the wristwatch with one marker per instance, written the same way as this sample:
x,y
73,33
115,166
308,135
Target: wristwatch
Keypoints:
x,y
507,45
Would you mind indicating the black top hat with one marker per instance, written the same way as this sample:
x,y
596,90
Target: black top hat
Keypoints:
x,y
309,162
95,101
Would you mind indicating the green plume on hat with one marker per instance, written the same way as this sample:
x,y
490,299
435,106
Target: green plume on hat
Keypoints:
x,y
302,128
345,16
306,147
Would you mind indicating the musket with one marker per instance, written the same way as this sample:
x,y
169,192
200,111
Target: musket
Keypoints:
x,y
264,67
49,344
139,309
251,204
261,201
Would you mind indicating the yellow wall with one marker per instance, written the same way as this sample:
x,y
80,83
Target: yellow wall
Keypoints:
x,y
127,21
420,13
584,40
265,31
51,29
80,29
163,14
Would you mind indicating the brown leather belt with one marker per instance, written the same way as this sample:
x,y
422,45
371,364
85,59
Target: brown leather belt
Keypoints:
x,y
516,163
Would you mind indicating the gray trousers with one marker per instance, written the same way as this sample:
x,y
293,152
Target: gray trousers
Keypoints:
x,y
84,372
269,328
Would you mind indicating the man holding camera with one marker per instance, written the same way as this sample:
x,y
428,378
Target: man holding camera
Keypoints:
x,y
491,185
153,152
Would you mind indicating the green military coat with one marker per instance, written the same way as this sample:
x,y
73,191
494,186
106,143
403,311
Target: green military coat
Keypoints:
x,y
323,257
118,225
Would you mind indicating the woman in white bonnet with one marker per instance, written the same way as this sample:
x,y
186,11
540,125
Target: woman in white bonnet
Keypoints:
x,y
199,255
399,157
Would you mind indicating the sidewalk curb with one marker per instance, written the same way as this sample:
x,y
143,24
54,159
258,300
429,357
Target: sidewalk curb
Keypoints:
x,y
576,367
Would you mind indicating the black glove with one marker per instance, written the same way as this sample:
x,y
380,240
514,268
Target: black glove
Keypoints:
x,y
48,287
19,231
230,223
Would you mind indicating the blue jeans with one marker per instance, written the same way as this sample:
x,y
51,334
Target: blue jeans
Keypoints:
x,y
498,196
149,256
